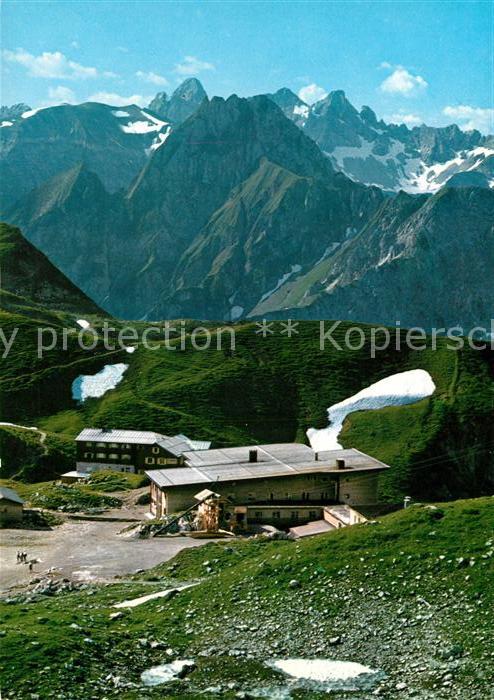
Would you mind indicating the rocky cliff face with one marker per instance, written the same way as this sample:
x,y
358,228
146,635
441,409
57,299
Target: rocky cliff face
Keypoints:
x,y
421,261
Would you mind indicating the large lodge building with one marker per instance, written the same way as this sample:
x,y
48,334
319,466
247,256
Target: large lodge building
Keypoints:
x,y
283,474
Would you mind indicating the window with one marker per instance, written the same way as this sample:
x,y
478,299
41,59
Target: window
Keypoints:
x,y
100,455
156,450
294,515
126,458
114,445
101,444
258,515
312,514
88,455
161,460
113,455
149,460
276,514
89,444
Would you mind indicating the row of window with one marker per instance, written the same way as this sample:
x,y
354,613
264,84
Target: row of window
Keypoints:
x,y
159,460
110,445
276,515
112,455
120,446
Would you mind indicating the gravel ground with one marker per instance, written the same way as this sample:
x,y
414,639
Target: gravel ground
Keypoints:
x,y
82,551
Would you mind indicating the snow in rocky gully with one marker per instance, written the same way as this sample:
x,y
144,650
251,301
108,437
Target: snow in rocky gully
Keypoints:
x,y
327,674
322,675
164,673
395,390
96,385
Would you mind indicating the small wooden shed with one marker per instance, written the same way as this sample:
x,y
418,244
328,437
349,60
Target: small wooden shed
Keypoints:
x,y
11,506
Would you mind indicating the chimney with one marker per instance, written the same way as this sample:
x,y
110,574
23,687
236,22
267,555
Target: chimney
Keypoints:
x,y
316,456
252,456
340,464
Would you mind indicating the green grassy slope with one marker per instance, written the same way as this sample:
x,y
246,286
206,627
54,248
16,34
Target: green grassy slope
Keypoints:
x,y
410,596
29,279
271,390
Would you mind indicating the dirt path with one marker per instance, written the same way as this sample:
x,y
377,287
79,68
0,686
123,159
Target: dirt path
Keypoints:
x,y
83,551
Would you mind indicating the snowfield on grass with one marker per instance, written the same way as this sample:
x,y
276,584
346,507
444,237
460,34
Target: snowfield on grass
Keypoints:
x,y
322,670
96,385
396,390
134,602
83,323
166,672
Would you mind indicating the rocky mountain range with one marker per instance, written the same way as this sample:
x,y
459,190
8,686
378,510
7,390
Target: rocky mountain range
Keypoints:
x,y
226,209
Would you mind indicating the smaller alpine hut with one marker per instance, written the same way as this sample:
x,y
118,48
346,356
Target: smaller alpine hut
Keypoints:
x,y
283,474
11,506
130,450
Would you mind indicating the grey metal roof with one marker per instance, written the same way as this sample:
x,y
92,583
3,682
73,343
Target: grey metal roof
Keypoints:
x,y
316,527
176,445
196,444
203,469
10,495
139,437
286,453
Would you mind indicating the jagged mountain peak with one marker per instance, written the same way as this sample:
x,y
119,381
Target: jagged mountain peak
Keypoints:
x,y
158,103
184,101
190,88
291,105
337,103
8,112
368,115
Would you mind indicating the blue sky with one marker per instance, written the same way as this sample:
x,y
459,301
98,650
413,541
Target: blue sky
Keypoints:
x,y
410,61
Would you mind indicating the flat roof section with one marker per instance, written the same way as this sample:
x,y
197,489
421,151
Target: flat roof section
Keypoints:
x,y
271,463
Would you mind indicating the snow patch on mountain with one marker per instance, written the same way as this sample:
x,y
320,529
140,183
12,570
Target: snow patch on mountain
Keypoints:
x,y
236,312
422,178
160,139
30,113
294,269
408,171
330,249
139,127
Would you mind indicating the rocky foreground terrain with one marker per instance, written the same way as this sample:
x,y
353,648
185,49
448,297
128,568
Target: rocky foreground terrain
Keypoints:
x,y
410,597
